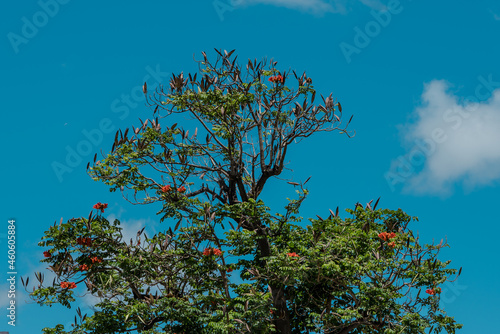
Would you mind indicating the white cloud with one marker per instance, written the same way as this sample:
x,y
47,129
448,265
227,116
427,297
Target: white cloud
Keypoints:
x,y
317,7
22,297
312,6
451,141
375,4
130,227
496,17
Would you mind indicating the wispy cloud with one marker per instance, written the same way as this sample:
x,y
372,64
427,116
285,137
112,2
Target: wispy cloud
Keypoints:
x,y
22,297
495,15
130,227
317,7
311,6
459,141
375,4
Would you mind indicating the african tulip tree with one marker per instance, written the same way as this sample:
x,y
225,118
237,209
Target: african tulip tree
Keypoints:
x,y
364,274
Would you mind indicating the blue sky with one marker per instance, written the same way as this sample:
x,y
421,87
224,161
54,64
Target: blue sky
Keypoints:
x,y
420,77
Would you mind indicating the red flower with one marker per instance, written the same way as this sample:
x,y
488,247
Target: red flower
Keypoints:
x,y
212,251
181,189
292,254
84,267
392,244
95,259
433,291
47,254
229,270
84,241
386,236
383,236
101,206
68,285
166,188
277,78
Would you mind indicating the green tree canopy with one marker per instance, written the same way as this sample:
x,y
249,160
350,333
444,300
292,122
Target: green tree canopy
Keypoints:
x,y
367,273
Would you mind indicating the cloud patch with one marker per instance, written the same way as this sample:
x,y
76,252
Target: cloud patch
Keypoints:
x,y
130,227
317,7
496,17
451,141
375,4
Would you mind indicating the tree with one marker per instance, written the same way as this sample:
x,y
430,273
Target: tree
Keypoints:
x,y
362,274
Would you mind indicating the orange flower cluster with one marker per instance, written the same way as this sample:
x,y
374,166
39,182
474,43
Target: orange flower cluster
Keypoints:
x,y
229,270
277,78
386,236
212,251
68,285
433,291
84,267
167,188
101,206
47,254
95,259
292,254
84,241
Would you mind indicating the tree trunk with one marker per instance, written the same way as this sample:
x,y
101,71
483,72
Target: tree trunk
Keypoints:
x,y
282,324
